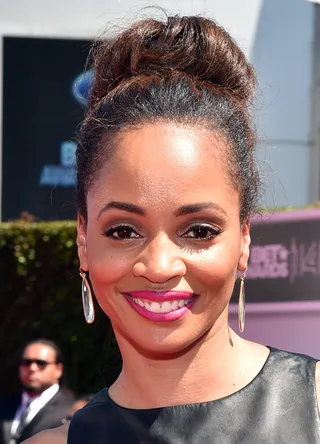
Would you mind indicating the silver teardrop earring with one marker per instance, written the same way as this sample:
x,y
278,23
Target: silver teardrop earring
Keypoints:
x,y
242,303
87,300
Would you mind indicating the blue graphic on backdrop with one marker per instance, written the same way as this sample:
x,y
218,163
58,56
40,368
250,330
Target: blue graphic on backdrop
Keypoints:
x,y
62,175
81,87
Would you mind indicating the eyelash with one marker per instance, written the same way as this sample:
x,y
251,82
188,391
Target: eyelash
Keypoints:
x,y
112,230
214,232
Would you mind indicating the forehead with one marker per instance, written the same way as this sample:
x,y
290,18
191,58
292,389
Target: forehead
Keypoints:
x,y
163,162
158,146
39,351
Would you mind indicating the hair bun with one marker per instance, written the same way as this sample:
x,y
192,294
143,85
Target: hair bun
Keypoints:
x,y
194,46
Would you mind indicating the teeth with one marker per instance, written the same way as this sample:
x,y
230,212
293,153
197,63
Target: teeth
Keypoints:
x,y
166,307
139,302
155,307
162,307
174,305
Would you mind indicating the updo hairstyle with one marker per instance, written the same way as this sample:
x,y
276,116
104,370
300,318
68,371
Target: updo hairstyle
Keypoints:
x,y
183,70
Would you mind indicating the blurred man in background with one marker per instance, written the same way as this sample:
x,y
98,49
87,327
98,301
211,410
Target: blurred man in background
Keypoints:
x,y
43,402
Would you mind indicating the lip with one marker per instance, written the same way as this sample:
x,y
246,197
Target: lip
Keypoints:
x,y
160,296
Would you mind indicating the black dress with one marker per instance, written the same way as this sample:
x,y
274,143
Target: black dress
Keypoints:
x,y
278,407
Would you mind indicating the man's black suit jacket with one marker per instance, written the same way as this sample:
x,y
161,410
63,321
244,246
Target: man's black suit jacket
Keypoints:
x,y
48,417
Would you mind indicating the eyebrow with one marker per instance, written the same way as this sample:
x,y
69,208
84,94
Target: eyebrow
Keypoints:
x,y
197,207
123,206
182,211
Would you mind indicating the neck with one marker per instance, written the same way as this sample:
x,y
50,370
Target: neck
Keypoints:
x,y
206,371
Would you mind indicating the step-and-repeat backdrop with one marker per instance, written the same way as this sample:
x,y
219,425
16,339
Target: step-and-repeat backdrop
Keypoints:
x,y
41,111
284,262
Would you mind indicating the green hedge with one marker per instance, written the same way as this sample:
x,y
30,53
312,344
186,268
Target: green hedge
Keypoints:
x,y
40,296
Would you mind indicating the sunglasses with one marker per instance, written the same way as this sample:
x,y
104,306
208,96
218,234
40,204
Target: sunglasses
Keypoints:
x,y
41,363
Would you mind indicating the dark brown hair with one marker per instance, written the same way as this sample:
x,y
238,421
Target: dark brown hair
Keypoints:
x,y
185,70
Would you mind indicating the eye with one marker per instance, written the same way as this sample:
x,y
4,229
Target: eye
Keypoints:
x,y
122,232
202,232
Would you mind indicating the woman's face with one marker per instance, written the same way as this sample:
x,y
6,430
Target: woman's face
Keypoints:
x,y
163,240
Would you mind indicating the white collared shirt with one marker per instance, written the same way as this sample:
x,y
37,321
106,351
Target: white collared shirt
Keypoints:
x,y
35,405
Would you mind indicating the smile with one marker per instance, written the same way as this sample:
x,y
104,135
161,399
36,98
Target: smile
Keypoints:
x,y
161,306
164,307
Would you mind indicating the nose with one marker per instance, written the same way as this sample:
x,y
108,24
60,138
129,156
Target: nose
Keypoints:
x,y
33,366
160,261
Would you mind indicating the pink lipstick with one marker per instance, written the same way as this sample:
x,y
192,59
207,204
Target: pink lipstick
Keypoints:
x,y
161,306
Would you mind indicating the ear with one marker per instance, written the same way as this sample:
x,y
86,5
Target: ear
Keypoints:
x,y
82,242
59,370
245,246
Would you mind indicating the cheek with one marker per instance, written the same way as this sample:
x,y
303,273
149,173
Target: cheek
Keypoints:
x,y
216,269
54,375
107,265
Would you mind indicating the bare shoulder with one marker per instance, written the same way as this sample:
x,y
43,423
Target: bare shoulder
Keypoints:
x,y
318,383
53,436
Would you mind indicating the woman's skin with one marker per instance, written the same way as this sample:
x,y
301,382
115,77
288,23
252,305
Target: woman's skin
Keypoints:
x,y
185,234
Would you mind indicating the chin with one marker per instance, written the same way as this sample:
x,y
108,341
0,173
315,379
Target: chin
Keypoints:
x,y
32,388
158,339
163,342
